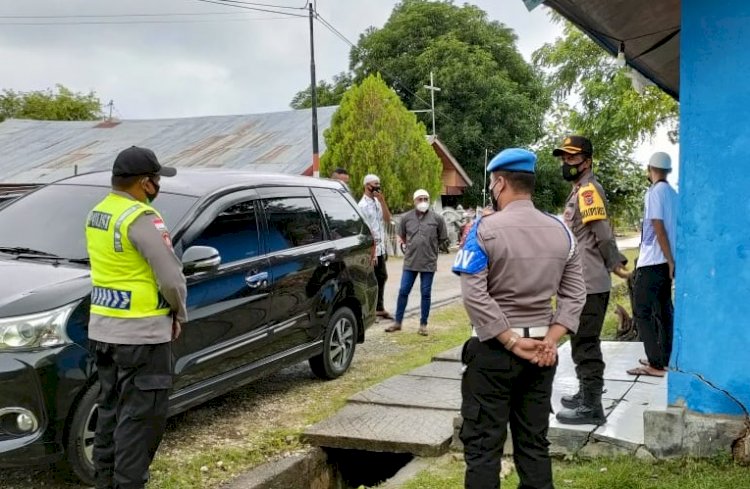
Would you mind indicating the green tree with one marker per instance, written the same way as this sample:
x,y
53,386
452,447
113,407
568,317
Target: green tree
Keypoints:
x,y
490,97
327,93
608,110
372,132
60,104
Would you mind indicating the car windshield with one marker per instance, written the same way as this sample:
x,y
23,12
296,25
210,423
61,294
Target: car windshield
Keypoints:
x,y
51,220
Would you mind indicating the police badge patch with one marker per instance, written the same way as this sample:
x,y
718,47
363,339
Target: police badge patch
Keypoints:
x,y
591,204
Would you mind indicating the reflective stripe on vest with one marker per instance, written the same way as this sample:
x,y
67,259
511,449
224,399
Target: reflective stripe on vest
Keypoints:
x,y
124,284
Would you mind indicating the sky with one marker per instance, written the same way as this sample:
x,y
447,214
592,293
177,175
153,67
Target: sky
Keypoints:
x,y
203,58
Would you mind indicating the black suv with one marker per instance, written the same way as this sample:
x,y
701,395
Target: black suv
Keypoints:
x,y
279,270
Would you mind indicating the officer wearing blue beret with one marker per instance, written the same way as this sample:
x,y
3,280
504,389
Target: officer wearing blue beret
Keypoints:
x,y
513,263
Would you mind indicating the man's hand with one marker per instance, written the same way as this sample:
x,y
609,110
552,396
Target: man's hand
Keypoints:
x,y
547,355
176,329
622,272
528,349
671,269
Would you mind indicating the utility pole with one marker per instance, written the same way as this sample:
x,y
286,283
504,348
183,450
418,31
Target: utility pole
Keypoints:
x,y
313,96
484,188
111,105
432,88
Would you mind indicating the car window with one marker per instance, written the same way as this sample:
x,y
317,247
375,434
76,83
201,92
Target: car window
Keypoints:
x,y
292,222
343,220
234,233
52,219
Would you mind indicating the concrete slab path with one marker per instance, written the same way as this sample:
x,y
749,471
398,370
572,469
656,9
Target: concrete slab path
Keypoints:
x,y
415,412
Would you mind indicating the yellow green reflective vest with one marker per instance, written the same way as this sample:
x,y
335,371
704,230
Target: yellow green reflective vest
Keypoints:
x,y
124,284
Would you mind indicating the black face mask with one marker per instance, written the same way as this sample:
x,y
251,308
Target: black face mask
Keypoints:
x,y
571,173
149,196
493,199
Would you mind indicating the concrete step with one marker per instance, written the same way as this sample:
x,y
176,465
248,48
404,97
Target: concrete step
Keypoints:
x,y
379,428
414,391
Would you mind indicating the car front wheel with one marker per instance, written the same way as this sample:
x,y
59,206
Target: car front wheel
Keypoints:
x,y
338,345
79,444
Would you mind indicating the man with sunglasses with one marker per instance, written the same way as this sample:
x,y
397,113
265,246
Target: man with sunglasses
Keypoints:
x,y
137,306
586,215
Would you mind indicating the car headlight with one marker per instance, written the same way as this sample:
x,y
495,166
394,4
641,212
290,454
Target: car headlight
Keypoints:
x,y
38,330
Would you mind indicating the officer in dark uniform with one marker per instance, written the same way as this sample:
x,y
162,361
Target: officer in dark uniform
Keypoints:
x,y
586,214
137,306
512,264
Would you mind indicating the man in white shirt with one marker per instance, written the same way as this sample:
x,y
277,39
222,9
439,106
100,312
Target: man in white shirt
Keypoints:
x,y
377,214
652,292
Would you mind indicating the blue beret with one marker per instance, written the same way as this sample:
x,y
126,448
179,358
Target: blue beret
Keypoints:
x,y
513,159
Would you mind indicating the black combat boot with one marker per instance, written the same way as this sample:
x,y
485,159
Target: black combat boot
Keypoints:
x,y
590,411
572,401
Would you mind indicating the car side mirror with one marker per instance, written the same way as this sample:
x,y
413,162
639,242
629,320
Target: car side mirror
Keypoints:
x,y
200,259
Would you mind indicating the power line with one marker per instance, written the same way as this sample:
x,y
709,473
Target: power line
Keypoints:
x,y
256,4
256,9
106,16
124,22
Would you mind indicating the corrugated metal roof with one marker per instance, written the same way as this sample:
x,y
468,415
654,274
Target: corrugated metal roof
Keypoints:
x,y
45,151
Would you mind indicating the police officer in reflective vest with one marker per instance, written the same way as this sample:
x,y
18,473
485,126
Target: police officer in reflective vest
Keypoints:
x,y
586,215
512,264
137,305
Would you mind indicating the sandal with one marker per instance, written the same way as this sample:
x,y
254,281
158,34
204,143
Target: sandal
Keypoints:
x,y
383,314
393,328
647,371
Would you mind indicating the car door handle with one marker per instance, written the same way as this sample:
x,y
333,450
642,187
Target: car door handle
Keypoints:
x,y
257,280
327,258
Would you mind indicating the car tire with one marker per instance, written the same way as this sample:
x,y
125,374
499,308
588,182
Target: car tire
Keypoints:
x,y
79,443
339,344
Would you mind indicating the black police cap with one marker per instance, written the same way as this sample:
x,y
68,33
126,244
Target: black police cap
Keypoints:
x,y
136,161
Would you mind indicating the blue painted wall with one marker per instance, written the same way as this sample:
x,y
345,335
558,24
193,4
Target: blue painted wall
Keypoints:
x,y
712,326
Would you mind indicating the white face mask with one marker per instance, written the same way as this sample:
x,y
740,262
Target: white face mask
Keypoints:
x,y
423,206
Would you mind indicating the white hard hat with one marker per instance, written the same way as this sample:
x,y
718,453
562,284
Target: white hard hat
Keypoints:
x,y
421,193
660,160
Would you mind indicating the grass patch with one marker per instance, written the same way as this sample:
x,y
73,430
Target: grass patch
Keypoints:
x,y
617,473
309,401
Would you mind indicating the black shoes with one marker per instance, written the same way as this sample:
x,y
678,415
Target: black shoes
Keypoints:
x,y
583,414
573,401
582,409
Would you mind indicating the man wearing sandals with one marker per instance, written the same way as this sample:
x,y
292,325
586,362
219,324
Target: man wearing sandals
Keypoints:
x,y
421,232
652,287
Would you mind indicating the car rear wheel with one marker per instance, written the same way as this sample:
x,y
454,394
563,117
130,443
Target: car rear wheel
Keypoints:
x,y
338,345
79,444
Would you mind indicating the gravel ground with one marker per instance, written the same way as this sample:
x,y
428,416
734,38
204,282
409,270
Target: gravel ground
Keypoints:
x,y
233,419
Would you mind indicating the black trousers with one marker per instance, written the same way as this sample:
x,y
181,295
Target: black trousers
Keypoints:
x,y
381,273
654,313
497,388
586,345
132,414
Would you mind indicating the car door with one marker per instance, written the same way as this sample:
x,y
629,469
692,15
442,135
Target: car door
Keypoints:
x,y
353,264
228,310
299,255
